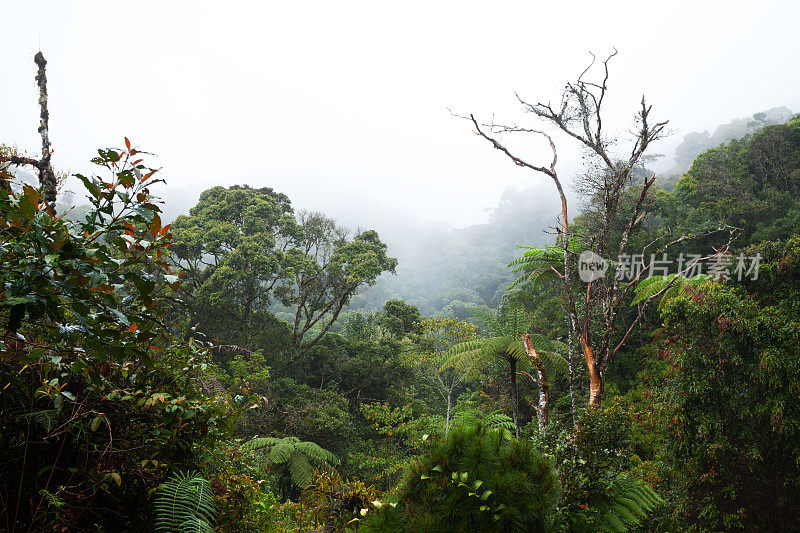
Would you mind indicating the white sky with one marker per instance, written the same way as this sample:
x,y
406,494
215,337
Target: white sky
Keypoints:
x,y
343,103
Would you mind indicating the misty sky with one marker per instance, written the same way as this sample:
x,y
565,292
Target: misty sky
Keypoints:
x,y
343,105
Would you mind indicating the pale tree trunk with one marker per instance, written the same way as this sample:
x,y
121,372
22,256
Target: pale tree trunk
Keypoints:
x,y
543,405
447,418
47,178
543,408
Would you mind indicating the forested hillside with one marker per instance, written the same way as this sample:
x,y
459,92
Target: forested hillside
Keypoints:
x,y
623,361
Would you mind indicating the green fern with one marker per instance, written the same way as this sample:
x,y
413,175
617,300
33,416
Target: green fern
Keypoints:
x,y
672,285
631,502
507,325
45,418
185,504
542,265
473,356
299,457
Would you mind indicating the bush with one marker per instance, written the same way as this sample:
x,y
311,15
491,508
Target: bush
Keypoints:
x,y
475,479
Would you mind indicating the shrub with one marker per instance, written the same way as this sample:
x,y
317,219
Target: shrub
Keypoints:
x,y
475,479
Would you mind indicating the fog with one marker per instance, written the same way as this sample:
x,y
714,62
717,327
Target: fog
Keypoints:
x,y
344,106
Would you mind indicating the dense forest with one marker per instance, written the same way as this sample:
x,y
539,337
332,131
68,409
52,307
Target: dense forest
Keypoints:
x,y
623,361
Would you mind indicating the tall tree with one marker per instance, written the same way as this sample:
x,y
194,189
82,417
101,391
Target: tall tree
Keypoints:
x,y
439,335
579,114
235,249
328,270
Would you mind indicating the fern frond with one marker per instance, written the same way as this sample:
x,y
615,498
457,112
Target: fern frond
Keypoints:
x,y
281,452
298,456
259,443
184,504
498,421
45,419
632,501
317,453
489,319
301,471
555,363
464,355
516,349
552,354
653,285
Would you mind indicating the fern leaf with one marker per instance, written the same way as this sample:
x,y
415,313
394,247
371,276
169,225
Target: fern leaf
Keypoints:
x,y
631,501
184,503
259,443
281,452
300,470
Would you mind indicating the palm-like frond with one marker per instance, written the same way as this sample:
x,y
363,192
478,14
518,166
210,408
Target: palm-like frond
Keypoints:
x,y
535,258
317,454
674,284
632,501
299,457
512,319
494,421
45,418
470,357
541,266
464,356
301,471
185,504
259,443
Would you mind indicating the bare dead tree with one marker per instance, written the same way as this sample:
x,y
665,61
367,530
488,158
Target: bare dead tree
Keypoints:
x,y
47,178
579,114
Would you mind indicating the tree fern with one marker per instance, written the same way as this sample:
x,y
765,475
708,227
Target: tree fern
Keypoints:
x,y
298,457
538,265
185,504
507,325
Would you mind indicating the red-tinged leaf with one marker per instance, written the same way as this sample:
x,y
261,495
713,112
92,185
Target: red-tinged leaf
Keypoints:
x,y
159,348
31,194
133,327
127,143
155,227
137,161
165,229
